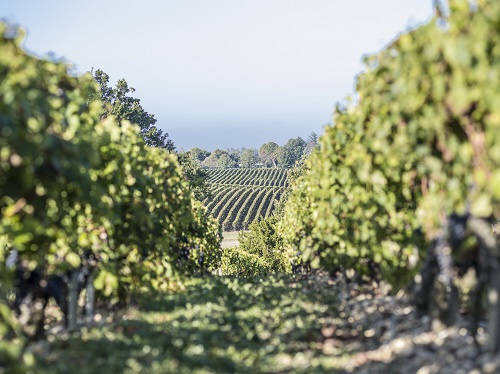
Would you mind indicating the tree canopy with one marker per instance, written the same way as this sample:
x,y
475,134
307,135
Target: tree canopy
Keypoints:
x,y
118,102
198,154
220,159
249,158
267,153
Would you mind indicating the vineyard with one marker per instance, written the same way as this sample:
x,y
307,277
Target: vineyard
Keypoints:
x,y
240,196
382,256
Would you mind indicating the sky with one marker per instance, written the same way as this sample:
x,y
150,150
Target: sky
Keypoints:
x,y
222,73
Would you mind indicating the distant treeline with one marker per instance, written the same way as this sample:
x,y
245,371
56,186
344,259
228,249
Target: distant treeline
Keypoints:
x,y
269,154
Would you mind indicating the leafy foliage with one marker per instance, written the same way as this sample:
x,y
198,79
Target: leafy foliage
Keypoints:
x,y
72,182
264,240
421,142
13,358
198,154
195,175
270,154
237,262
291,152
267,153
217,325
249,158
118,103
220,159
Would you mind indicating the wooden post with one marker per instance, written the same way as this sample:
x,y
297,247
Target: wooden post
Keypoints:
x,y
72,300
90,296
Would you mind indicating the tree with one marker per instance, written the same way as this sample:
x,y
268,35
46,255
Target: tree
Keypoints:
x,y
235,154
198,154
226,161
213,160
249,158
288,155
312,138
118,103
282,155
294,150
195,175
220,159
267,153
312,143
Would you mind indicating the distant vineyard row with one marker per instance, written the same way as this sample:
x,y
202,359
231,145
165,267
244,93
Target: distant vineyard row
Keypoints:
x,y
239,196
249,176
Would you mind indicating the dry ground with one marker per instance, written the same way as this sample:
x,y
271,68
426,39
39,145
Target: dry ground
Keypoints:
x,y
230,239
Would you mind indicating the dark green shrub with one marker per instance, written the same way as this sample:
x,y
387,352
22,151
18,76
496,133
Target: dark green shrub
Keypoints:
x,y
263,240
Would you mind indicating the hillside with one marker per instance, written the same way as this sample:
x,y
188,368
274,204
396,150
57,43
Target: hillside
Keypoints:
x,y
239,196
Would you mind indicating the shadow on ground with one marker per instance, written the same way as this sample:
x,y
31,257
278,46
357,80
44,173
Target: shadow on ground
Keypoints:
x,y
273,325
216,325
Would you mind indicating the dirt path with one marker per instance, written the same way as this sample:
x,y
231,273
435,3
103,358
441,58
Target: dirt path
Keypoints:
x,y
276,325
230,239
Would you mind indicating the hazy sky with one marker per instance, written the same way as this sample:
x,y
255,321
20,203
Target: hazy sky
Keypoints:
x,y
222,73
